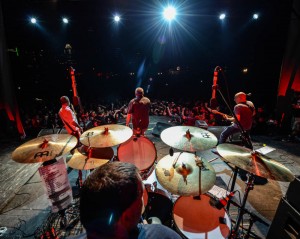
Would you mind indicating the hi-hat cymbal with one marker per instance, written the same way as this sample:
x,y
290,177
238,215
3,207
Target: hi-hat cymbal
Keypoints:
x,y
90,159
179,174
106,136
44,148
188,138
254,162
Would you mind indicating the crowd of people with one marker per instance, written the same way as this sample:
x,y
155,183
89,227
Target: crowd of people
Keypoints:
x,y
179,113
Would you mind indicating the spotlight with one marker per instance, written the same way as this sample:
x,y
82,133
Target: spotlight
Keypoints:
x,y
169,13
255,16
222,16
65,20
33,20
117,18
245,70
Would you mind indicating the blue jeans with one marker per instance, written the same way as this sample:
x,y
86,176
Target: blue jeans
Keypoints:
x,y
230,130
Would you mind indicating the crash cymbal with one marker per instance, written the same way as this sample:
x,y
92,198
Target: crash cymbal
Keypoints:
x,y
106,135
189,138
254,162
91,158
179,174
44,148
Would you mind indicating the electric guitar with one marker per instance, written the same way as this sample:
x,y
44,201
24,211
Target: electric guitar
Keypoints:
x,y
225,116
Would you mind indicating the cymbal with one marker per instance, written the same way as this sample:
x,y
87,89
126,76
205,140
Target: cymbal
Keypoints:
x,y
106,135
188,138
90,159
254,162
179,174
44,148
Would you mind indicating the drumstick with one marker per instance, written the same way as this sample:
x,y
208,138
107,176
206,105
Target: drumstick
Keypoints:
x,y
213,159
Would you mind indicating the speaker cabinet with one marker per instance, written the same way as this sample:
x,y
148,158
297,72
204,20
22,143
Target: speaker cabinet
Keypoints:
x,y
286,223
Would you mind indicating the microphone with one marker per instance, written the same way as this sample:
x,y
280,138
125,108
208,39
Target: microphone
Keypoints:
x,y
218,68
249,94
222,202
171,151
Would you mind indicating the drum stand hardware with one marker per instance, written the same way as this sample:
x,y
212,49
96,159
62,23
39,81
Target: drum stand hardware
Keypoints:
x,y
249,186
253,218
243,210
236,169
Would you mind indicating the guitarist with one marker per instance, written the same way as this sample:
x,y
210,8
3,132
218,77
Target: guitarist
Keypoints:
x,y
244,111
68,117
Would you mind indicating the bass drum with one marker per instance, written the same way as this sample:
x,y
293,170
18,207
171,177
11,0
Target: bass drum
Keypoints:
x,y
139,151
159,203
198,219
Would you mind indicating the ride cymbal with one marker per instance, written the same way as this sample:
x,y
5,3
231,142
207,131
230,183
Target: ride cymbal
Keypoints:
x,y
106,136
188,138
90,158
179,174
254,162
44,148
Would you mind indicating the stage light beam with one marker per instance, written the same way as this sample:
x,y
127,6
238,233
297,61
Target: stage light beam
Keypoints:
x,y
255,16
65,20
169,13
33,20
222,16
117,18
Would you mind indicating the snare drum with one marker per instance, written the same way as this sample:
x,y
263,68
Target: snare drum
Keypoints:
x,y
159,203
139,151
197,219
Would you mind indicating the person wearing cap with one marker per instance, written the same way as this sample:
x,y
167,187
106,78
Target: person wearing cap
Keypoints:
x,y
138,111
68,117
244,111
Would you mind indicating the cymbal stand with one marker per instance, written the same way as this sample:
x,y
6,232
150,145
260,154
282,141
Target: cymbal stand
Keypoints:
x,y
200,165
176,159
249,186
236,169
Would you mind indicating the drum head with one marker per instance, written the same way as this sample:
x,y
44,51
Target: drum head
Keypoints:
x,y
139,151
198,219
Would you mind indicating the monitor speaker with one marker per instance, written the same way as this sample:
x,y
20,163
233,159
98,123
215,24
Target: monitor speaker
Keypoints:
x,y
217,130
286,223
293,194
44,132
159,127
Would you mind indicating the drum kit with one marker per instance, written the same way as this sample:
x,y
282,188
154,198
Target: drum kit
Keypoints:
x,y
176,186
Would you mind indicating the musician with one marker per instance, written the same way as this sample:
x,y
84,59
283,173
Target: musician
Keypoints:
x,y
138,111
244,111
68,117
111,203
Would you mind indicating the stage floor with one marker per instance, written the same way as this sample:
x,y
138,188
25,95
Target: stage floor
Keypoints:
x,y
25,208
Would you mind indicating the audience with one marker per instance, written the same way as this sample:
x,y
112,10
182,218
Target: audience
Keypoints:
x,y
102,113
